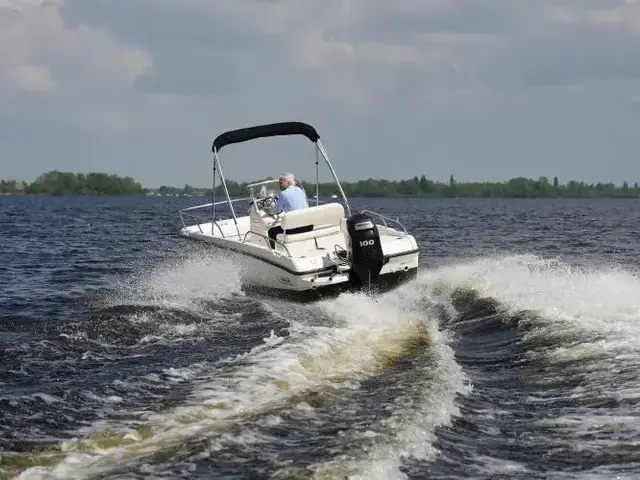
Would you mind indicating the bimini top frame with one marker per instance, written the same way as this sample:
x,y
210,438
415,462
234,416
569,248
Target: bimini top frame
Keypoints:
x,y
264,131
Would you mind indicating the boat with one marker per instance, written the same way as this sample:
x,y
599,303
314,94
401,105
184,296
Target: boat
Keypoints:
x,y
341,251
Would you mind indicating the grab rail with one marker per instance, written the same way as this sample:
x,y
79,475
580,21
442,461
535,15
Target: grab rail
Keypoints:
x,y
199,220
267,239
199,223
188,215
385,218
196,207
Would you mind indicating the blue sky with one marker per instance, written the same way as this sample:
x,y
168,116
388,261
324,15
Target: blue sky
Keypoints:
x,y
482,89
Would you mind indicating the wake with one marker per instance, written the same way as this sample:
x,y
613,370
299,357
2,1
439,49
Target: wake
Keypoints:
x,y
570,313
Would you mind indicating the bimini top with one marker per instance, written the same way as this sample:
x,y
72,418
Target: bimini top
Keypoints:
x,y
260,131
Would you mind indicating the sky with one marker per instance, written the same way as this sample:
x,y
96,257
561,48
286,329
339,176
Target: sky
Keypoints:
x,y
478,89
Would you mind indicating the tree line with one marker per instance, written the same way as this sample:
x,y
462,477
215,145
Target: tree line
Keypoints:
x,y
519,187
67,183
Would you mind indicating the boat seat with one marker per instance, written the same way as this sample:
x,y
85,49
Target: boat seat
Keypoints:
x,y
325,219
323,231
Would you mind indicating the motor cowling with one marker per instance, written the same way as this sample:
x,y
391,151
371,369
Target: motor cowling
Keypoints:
x,y
364,249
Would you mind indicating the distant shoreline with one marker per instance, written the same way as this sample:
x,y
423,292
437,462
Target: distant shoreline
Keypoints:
x,y
396,197
56,183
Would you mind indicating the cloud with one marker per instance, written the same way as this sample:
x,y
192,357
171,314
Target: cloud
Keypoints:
x,y
368,48
33,32
159,78
346,46
73,70
31,77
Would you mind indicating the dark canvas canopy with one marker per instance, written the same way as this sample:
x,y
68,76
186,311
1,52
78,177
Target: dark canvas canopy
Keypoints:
x,y
260,131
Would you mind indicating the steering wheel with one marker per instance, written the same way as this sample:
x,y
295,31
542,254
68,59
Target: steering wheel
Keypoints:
x,y
266,204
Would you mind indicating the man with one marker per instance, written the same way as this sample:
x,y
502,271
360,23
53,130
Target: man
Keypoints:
x,y
292,198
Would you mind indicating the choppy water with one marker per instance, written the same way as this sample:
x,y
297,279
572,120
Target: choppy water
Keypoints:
x,y
126,352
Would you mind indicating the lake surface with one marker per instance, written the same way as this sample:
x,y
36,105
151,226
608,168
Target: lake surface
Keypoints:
x,y
128,352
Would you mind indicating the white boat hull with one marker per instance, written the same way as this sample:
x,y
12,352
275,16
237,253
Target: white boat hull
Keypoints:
x,y
261,268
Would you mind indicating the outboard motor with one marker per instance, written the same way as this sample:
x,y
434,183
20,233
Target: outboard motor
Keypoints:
x,y
364,249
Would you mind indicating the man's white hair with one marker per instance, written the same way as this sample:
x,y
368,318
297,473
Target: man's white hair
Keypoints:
x,y
289,177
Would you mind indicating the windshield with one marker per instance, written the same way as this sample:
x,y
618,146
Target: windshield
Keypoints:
x,y
264,189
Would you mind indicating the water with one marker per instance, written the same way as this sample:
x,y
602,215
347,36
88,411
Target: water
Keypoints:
x,y
127,352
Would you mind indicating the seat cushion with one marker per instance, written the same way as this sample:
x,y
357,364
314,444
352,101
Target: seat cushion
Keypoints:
x,y
321,231
328,214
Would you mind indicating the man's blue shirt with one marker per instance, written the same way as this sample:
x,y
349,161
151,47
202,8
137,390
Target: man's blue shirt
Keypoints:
x,y
291,198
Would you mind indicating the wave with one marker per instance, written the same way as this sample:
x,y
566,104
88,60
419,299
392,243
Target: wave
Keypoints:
x,y
553,354
393,373
350,340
